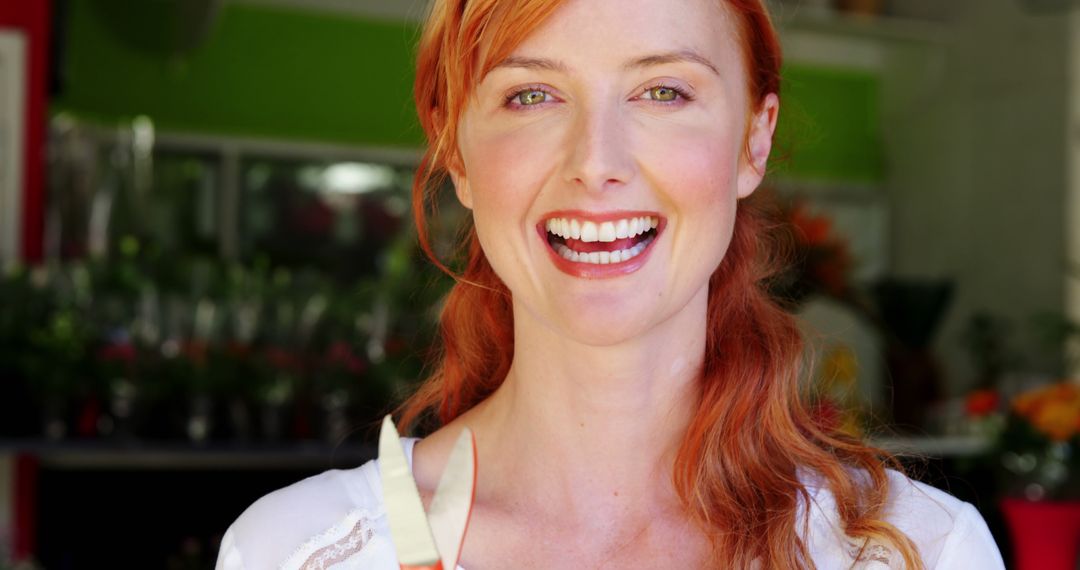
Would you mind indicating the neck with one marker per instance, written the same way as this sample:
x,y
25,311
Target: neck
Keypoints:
x,y
594,428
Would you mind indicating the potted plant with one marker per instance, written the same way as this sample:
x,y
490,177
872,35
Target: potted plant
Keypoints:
x,y
1039,452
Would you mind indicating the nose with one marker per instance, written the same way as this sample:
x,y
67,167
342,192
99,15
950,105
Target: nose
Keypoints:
x,y
598,152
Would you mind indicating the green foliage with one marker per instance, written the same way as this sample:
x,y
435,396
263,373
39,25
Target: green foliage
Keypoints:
x,y
1034,466
1039,442
163,332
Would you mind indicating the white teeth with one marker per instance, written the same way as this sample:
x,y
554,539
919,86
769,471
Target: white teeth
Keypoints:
x,y
622,229
602,257
568,228
607,232
588,232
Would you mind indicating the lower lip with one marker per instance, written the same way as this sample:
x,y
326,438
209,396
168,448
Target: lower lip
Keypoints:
x,y
598,270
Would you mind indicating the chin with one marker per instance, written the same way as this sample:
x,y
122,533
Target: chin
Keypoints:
x,y
602,327
600,338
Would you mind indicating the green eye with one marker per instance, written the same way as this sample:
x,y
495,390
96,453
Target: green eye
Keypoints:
x,y
531,97
661,93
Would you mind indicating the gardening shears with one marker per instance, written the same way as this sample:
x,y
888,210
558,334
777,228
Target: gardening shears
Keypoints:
x,y
432,540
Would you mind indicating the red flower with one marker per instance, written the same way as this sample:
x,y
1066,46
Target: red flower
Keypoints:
x,y
832,271
981,403
394,345
811,230
282,359
196,352
237,349
120,352
340,353
827,256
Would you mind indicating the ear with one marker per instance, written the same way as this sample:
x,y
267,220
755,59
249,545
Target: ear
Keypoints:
x,y
455,167
461,184
758,145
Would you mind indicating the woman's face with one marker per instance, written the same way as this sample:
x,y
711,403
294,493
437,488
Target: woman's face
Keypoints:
x,y
603,160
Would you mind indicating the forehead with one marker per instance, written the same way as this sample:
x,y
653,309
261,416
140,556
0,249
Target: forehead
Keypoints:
x,y
601,32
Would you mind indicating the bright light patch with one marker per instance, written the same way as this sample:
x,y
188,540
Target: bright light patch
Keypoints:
x,y
356,178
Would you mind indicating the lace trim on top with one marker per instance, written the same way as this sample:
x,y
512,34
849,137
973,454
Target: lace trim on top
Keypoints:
x,y
870,556
353,542
863,554
337,544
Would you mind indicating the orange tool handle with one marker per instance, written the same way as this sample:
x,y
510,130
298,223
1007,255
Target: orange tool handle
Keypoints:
x,y
435,566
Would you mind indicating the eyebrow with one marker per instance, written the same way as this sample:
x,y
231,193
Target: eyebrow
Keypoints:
x,y
532,63
679,56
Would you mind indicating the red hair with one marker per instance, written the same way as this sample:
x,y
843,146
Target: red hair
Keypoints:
x,y
739,465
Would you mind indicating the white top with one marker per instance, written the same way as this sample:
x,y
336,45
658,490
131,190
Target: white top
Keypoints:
x,y
337,520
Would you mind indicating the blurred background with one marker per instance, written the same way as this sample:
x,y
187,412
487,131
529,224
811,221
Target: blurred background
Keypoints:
x,y
210,285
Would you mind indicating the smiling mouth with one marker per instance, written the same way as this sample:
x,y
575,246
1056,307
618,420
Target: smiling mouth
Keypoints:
x,y
601,243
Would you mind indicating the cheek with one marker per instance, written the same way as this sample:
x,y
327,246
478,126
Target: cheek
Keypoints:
x,y
506,170
696,172
695,167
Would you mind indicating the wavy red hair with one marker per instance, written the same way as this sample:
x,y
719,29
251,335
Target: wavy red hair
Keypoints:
x,y
742,463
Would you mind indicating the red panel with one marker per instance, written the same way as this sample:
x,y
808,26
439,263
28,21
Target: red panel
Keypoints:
x,y
33,18
26,476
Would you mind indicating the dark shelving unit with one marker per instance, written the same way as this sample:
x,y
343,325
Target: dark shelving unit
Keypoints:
x,y
102,504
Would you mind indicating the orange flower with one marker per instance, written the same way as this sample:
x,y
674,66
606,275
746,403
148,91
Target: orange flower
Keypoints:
x,y
1025,403
1067,392
1053,410
811,229
1058,419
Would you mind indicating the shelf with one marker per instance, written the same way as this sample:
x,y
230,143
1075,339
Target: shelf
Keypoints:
x,y
881,28
103,455
945,446
98,455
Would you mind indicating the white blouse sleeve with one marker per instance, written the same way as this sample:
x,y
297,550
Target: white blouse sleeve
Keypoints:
x,y
948,533
970,544
332,520
229,556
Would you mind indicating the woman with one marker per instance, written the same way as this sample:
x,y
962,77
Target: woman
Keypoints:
x,y
632,390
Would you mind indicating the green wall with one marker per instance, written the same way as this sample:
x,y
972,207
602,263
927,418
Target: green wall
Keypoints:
x,y
830,125
282,73
263,71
